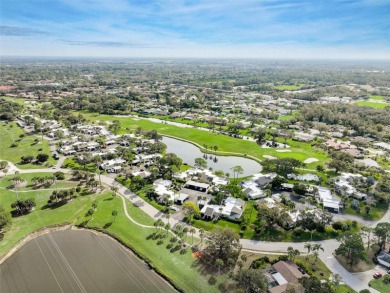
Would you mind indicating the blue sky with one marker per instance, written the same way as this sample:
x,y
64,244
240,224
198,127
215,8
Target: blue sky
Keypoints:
x,y
174,28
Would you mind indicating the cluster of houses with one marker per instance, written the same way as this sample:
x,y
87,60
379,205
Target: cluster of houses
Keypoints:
x,y
346,183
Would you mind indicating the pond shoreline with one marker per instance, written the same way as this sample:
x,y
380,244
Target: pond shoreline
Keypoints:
x,y
218,153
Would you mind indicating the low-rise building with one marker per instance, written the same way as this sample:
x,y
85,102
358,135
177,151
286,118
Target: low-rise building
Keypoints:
x,y
231,208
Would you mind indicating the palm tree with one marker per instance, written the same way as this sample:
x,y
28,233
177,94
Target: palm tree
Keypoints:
x,y
308,246
315,254
318,247
185,231
168,216
167,227
155,224
94,205
114,190
201,235
114,214
192,231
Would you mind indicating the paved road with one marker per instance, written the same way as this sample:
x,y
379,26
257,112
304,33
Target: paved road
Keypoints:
x,y
357,281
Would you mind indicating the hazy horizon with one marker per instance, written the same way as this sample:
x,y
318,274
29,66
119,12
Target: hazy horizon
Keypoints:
x,y
231,29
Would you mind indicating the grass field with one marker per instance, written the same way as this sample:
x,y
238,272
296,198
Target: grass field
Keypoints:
x,y
289,87
373,104
344,289
175,266
298,150
380,286
40,217
378,98
26,146
28,184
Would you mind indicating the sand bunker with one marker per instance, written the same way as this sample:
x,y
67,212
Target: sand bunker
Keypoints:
x,y
310,160
269,157
283,151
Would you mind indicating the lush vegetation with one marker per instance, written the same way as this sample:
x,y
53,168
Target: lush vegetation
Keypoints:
x,y
175,266
15,144
298,150
363,120
373,104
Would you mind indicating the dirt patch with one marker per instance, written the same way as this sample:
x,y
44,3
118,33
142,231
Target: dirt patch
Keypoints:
x,y
196,255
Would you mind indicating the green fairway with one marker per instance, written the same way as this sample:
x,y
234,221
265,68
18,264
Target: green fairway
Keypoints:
x,y
26,146
378,98
175,266
298,150
40,217
28,185
289,87
373,104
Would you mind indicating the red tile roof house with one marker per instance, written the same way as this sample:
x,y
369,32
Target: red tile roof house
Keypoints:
x,y
336,145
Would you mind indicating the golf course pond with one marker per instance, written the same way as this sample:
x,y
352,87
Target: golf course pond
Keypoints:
x,y
189,152
77,261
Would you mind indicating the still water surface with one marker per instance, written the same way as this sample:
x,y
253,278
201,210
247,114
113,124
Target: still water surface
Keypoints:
x,y
189,152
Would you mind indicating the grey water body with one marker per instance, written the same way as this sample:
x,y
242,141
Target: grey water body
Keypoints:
x,y
77,261
189,152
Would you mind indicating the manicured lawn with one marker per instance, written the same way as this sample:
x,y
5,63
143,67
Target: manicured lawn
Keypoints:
x,y
268,234
380,286
28,184
373,104
298,150
344,289
377,98
174,265
26,146
250,215
40,217
289,87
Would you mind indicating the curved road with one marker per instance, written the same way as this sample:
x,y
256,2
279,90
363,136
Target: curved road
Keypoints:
x,y
357,281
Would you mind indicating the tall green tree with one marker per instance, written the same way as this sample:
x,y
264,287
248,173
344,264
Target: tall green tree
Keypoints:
x,y
237,170
224,243
190,209
382,232
200,163
352,247
251,281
